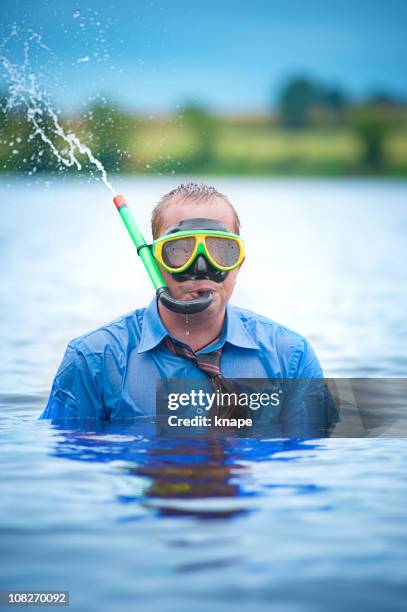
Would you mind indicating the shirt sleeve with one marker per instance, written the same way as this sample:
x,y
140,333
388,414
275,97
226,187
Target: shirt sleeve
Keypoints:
x,y
304,362
310,410
74,392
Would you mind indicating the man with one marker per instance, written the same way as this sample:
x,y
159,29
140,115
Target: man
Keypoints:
x,y
111,373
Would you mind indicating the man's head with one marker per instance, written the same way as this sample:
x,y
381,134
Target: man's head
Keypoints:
x,y
193,201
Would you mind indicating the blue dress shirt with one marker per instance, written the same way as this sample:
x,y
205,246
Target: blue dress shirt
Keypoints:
x,y
111,373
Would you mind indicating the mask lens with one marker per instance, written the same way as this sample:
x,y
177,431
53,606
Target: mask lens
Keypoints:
x,y
176,253
225,251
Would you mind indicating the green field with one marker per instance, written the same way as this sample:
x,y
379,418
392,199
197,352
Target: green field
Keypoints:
x,y
219,145
264,149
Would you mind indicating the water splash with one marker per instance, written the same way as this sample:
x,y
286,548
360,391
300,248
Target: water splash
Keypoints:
x,y
25,92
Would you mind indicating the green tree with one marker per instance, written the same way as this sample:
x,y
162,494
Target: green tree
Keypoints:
x,y
111,132
304,102
371,123
203,127
20,149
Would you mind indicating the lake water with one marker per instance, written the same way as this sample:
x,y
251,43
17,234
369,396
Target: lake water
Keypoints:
x,y
123,519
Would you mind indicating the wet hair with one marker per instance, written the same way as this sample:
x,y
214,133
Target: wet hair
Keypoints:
x,y
188,193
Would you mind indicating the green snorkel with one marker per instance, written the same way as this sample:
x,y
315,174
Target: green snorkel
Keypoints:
x,y
144,252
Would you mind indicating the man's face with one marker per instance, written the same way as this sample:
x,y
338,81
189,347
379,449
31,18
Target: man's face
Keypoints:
x,y
218,210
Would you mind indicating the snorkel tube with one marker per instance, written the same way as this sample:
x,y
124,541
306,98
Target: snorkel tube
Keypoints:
x,y
144,252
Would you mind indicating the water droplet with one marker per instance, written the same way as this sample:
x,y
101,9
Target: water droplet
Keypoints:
x,y
38,112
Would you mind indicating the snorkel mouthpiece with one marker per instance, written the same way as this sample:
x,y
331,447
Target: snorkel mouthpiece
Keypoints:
x,y
144,252
184,306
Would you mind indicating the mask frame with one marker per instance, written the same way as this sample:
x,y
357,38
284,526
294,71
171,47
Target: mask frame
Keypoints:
x,y
200,248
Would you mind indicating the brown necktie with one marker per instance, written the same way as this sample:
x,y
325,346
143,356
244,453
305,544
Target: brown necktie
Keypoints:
x,y
210,364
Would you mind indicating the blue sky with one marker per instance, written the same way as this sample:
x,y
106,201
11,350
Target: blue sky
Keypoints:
x,y
230,56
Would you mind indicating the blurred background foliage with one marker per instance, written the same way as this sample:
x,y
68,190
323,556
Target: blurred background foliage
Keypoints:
x,y
315,130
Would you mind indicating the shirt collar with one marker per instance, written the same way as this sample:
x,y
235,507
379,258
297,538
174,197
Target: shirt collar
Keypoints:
x,y
154,330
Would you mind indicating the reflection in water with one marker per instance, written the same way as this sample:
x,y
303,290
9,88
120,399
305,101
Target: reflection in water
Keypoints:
x,y
204,478
188,473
